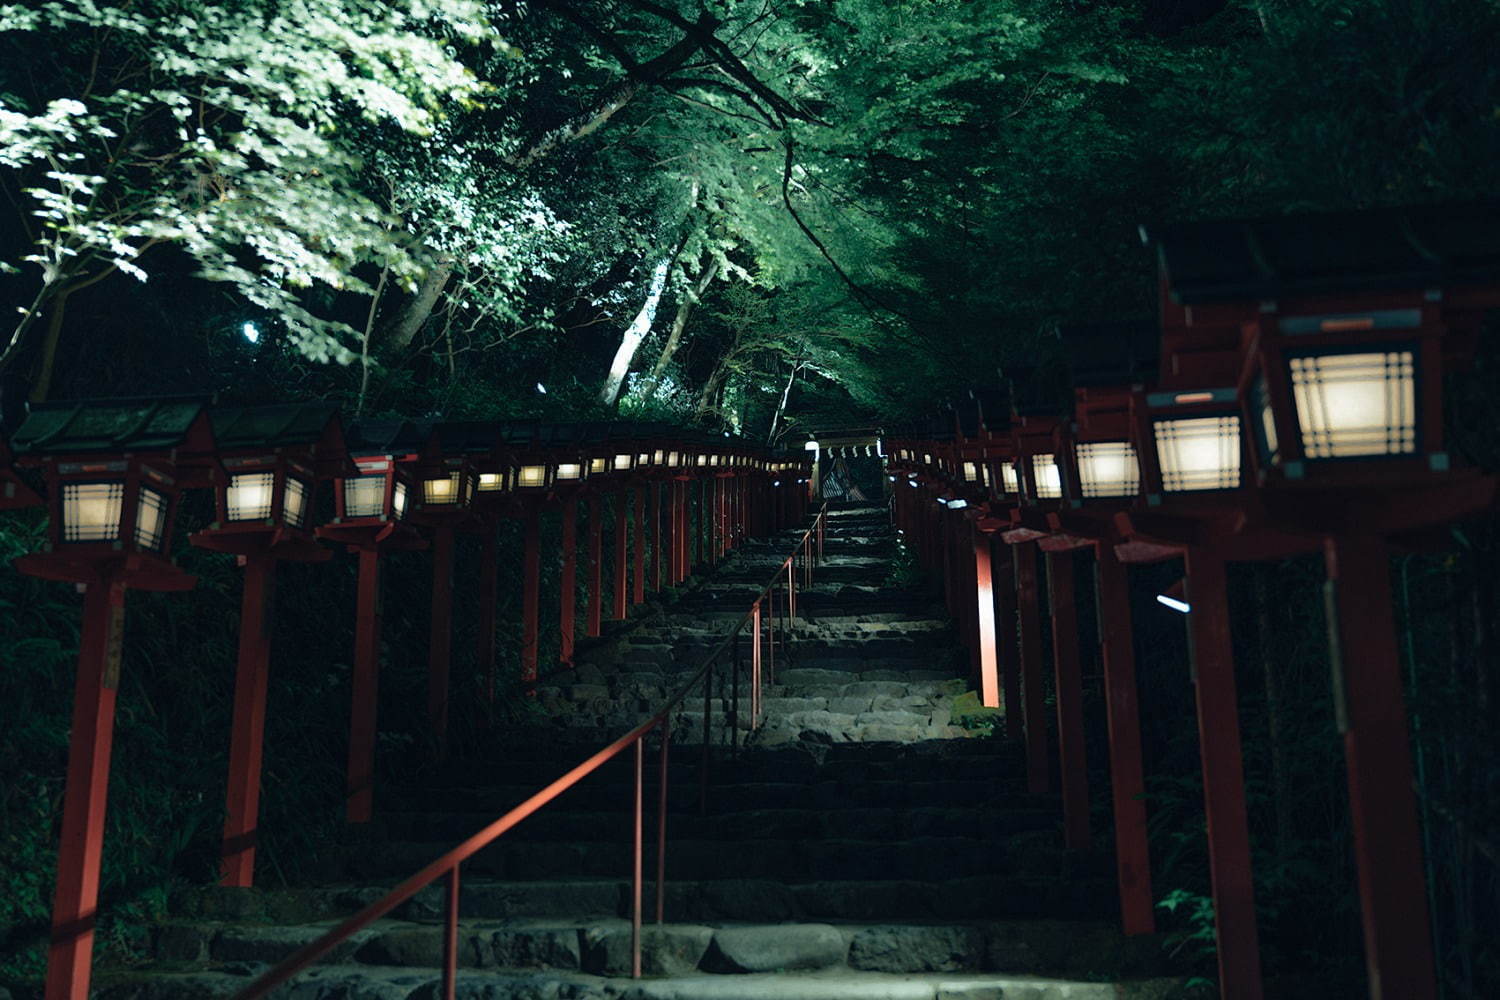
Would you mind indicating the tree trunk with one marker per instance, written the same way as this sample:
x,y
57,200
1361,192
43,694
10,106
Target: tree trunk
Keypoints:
x,y
608,103
403,329
41,386
781,406
679,323
634,334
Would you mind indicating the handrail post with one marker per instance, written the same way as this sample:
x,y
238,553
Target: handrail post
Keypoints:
x,y
755,667
450,936
734,693
635,877
661,822
708,714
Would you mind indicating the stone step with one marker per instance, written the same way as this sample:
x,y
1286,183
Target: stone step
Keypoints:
x,y
398,983
789,857
726,899
601,946
684,822
738,796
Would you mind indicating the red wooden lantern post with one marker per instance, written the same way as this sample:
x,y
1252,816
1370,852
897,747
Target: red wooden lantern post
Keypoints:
x,y
494,482
447,482
273,458
550,461
112,473
1187,436
1101,475
1034,430
370,518
1347,325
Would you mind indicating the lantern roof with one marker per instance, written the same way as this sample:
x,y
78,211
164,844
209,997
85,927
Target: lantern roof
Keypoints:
x,y
992,404
1115,353
386,437
1033,393
160,424
276,426
1380,249
465,437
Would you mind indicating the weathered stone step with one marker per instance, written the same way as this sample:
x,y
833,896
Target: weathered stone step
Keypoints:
x,y
399,983
789,859
726,899
594,946
738,796
685,823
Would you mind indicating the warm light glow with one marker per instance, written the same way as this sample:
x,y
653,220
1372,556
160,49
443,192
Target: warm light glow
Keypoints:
x,y
622,463
1174,603
1047,477
1356,404
673,459
971,472
567,471
533,475
91,511
150,519
248,497
294,504
400,500
1108,469
364,496
984,472
657,457
491,482
443,490
702,459
1009,478
1199,453
643,459
598,466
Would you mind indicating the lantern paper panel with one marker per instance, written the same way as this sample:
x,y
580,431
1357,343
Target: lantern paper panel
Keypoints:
x,y
1108,469
151,519
1047,477
364,496
1351,405
294,506
1198,453
531,476
249,496
91,511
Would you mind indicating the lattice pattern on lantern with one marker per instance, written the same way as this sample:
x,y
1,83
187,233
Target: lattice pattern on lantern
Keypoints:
x,y
1199,453
569,472
398,500
491,482
1009,478
1356,404
532,475
150,519
91,511
249,496
1047,476
294,505
1108,469
442,490
364,496
971,472
1267,417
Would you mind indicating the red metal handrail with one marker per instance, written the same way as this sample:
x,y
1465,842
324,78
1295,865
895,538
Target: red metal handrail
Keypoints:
x,y
810,549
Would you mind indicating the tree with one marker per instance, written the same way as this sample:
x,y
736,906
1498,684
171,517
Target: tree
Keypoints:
x,y
220,129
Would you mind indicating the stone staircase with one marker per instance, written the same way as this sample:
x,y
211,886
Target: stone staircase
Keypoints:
x,y
857,846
